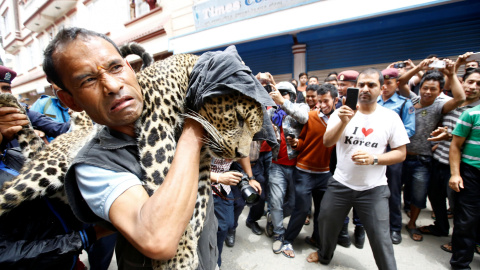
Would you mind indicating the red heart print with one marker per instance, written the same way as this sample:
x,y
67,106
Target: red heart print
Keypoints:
x,y
367,132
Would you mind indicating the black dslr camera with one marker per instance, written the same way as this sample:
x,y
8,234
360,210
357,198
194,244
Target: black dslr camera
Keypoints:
x,y
249,194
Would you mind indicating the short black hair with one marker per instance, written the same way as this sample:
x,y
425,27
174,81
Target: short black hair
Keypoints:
x,y
329,79
301,74
328,88
64,37
432,56
332,73
313,87
470,71
433,75
313,77
370,71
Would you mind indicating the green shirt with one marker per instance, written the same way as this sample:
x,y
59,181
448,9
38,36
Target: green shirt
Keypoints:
x,y
468,126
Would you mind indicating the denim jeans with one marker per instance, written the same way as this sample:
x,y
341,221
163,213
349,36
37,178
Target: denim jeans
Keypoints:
x,y
281,178
224,214
416,175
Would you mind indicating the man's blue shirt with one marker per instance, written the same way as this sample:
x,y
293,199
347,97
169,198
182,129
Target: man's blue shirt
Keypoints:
x,y
407,113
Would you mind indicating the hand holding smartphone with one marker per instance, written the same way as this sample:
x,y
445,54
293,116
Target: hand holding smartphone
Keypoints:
x,y
474,57
352,98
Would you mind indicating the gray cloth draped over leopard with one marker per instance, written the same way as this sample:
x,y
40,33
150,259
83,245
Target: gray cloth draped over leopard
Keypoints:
x,y
223,72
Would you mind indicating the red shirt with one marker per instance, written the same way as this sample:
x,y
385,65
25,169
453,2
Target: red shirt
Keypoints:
x,y
282,158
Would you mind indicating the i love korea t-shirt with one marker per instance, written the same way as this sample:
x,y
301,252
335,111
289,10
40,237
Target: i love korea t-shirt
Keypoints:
x,y
371,133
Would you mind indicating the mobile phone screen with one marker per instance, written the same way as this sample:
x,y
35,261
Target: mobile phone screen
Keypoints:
x,y
352,98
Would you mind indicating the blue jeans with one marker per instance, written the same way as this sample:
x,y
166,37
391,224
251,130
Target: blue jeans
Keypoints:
x,y
416,175
224,214
281,178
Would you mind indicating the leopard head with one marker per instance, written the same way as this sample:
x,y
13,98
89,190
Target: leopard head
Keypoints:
x,y
230,121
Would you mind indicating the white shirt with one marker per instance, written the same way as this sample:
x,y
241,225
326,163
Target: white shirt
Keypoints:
x,y
371,133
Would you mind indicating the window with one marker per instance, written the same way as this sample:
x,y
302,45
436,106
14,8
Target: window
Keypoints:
x,y
4,23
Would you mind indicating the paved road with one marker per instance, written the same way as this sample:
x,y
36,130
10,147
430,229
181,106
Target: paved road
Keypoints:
x,y
255,252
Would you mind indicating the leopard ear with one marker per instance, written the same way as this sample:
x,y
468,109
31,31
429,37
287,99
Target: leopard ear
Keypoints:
x,y
68,100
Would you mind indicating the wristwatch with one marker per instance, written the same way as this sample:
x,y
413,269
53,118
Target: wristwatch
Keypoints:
x,y
375,160
251,177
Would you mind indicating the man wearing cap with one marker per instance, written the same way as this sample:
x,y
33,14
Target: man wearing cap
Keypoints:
x,y
9,116
404,108
346,79
288,120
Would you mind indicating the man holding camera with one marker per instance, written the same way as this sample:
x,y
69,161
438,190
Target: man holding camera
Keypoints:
x,y
288,120
222,180
361,137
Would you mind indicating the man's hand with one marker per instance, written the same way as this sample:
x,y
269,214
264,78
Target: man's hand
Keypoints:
x,y
462,59
361,157
254,183
449,69
409,64
345,113
230,178
456,183
276,96
11,122
292,141
440,134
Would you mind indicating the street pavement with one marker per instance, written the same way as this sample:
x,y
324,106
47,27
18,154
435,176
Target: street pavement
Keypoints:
x,y
255,251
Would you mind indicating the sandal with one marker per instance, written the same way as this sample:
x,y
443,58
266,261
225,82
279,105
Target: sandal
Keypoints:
x,y
288,247
447,247
307,220
413,232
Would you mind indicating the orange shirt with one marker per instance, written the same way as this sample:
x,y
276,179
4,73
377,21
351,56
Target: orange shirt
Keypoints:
x,y
314,156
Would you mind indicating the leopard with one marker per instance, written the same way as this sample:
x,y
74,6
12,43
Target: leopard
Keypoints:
x,y
230,121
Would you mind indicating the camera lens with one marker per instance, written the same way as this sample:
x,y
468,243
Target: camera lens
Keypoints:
x,y
249,194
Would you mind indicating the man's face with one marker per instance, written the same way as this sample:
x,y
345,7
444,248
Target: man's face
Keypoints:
x,y
369,85
5,87
472,64
100,82
311,98
429,91
472,86
389,88
342,87
312,80
303,79
327,103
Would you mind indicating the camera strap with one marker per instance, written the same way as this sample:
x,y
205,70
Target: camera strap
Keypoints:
x,y
221,193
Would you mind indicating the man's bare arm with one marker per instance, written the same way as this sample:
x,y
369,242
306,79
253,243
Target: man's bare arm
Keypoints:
x,y
154,225
456,181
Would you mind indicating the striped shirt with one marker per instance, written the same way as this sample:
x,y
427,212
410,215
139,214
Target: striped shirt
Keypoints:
x,y
449,121
468,126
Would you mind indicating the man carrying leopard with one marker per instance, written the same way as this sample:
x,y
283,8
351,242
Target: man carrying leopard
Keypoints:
x,y
104,85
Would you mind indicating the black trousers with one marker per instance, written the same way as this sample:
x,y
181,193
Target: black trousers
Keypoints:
x,y
372,208
394,178
466,218
437,194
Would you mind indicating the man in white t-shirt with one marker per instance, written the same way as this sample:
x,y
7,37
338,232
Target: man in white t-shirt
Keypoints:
x,y
359,181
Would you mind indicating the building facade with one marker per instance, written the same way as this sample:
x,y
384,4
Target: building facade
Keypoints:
x,y
283,37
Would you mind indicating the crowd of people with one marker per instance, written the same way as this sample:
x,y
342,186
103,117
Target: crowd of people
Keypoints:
x,y
411,128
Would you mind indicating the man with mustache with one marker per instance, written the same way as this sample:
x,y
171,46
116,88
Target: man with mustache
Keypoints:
x,y
361,139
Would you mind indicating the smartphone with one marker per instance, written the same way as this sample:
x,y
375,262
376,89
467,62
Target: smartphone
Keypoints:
x,y
268,87
474,57
399,65
437,64
352,97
